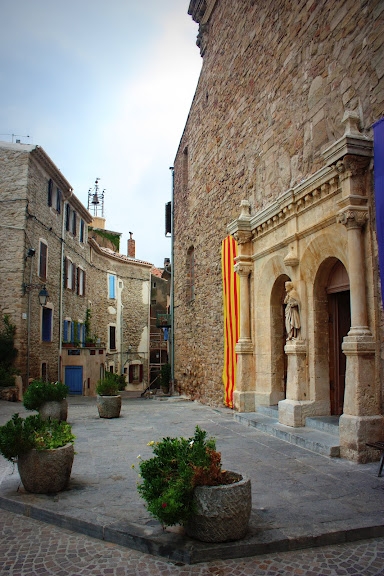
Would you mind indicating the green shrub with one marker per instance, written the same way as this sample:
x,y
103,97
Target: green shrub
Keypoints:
x,y
170,476
109,385
39,392
19,435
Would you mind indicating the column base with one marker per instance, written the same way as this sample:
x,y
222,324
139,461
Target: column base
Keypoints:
x,y
244,401
294,412
355,431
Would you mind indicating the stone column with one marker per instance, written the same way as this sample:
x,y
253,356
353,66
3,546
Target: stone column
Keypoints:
x,y
361,421
244,397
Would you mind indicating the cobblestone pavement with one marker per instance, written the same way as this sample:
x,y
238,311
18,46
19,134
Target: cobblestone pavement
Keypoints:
x,y
29,547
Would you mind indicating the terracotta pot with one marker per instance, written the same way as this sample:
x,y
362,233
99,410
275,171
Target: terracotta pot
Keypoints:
x,y
222,512
109,406
55,410
45,471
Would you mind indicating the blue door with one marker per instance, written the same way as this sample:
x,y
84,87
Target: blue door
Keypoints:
x,y
74,379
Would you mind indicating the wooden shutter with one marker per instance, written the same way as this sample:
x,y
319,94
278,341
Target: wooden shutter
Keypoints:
x,y
141,373
50,186
43,261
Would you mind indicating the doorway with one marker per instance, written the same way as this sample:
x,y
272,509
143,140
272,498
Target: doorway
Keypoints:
x,y
74,379
339,309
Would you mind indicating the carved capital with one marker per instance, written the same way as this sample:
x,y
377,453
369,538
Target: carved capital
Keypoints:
x,y
353,218
352,166
243,268
242,236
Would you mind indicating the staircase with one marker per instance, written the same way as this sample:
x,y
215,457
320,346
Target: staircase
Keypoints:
x,y
320,435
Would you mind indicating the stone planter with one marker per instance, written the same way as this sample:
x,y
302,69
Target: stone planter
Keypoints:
x,y
222,512
55,410
45,471
109,406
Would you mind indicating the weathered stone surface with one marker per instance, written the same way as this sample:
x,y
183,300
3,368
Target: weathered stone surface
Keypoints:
x,y
222,512
45,471
109,406
54,410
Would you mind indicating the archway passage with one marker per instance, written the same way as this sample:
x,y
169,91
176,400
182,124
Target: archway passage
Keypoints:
x,y
339,309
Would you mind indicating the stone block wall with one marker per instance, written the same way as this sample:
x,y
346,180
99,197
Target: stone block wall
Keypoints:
x,y
275,83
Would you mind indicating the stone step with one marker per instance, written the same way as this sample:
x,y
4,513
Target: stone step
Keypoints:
x,y
328,424
311,439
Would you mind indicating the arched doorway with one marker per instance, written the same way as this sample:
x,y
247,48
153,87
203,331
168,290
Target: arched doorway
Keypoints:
x,y
278,338
339,310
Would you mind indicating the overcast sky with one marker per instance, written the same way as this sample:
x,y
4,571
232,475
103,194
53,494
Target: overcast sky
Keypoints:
x,y
105,87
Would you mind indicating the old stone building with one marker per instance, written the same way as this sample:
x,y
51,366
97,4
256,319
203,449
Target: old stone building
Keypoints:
x,y
96,316
277,152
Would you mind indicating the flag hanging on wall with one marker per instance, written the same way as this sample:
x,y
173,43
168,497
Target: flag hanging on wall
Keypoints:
x,y
231,302
378,147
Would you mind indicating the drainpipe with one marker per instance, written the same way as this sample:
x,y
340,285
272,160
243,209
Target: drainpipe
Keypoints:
x,y
172,285
61,291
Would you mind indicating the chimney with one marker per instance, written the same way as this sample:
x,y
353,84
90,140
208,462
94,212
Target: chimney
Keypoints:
x,y
131,246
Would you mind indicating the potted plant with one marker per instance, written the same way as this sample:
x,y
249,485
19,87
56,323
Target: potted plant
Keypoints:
x,y
184,483
43,450
108,397
48,398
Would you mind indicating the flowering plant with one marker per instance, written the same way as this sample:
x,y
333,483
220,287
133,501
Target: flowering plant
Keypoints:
x,y
170,476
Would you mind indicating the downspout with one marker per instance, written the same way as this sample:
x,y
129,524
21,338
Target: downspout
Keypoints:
x,y
61,291
172,285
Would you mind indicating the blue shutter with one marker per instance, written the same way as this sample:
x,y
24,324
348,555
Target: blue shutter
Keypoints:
x,y
112,286
72,331
46,324
65,331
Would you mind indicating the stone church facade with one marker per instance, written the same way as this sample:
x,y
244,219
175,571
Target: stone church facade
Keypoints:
x,y
277,151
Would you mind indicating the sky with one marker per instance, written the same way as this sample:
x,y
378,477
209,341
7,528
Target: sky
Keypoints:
x,y
104,87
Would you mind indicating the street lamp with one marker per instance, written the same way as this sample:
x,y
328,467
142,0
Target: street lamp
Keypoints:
x,y
43,296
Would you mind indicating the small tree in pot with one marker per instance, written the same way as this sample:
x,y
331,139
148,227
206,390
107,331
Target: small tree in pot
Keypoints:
x,y
48,398
108,398
42,449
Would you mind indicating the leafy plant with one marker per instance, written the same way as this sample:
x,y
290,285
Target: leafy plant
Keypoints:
x,y
109,385
177,467
19,435
39,392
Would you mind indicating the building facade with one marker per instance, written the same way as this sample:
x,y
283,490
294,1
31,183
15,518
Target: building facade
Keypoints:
x,y
278,153
97,309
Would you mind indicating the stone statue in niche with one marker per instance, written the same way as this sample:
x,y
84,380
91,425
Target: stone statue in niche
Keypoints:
x,y
292,312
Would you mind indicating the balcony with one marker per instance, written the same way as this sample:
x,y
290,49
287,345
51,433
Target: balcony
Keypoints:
x,y
163,320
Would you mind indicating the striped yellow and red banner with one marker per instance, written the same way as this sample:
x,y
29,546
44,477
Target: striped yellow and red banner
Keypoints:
x,y
231,301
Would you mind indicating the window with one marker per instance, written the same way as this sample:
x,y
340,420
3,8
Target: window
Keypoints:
x,y
69,274
191,274
185,168
50,188
66,331
112,337
44,371
111,286
80,282
58,200
82,231
67,217
43,260
46,325
74,221
135,373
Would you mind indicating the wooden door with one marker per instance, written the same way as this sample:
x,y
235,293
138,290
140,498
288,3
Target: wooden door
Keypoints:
x,y
339,326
